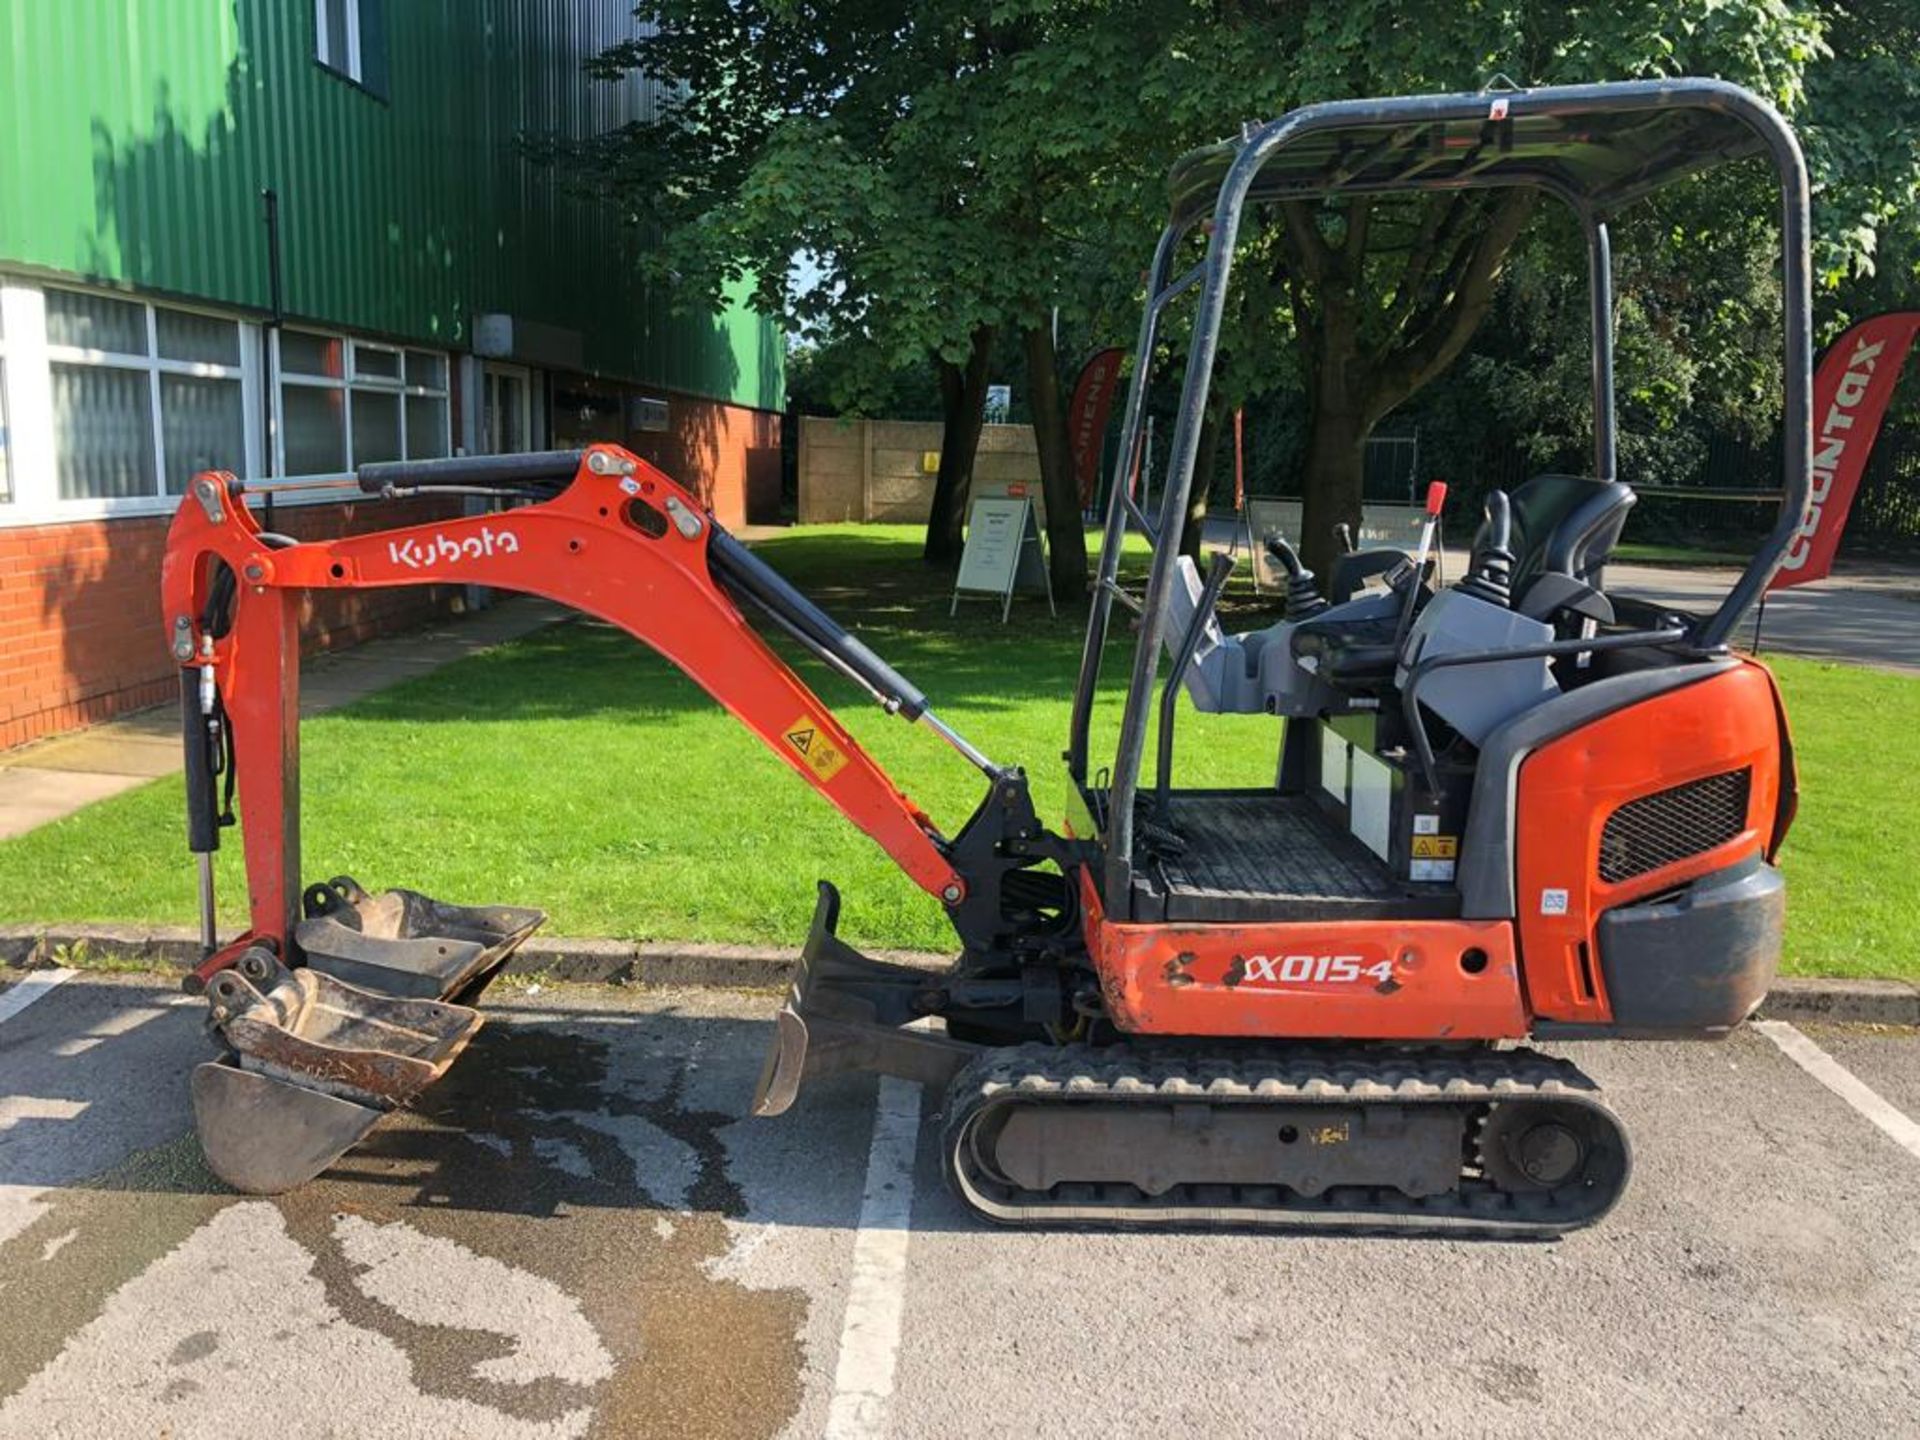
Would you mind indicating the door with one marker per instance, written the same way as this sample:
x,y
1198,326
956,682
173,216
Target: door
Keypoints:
x,y
506,410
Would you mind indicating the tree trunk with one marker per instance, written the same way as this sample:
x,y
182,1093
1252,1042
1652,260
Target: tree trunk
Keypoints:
x,y
963,405
1206,457
1066,539
1336,471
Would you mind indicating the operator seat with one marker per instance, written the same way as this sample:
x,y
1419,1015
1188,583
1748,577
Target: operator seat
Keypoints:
x,y
1565,526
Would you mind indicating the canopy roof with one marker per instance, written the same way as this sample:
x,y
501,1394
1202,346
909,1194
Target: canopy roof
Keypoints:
x,y
1598,146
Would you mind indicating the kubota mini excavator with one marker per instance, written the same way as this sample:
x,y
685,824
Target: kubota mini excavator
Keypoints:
x,y
1514,806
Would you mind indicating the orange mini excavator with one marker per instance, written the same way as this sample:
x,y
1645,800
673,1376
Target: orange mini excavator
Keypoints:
x,y
1516,806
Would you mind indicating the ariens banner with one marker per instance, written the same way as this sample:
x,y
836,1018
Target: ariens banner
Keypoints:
x,y
1087,418
1850,393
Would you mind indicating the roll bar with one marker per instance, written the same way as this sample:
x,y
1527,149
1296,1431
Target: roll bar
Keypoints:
x,y
1596,147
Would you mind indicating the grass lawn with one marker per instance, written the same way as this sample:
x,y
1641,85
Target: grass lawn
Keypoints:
x,y
577,771
1629,552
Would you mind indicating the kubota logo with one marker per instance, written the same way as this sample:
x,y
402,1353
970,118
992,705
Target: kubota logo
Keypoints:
x,y
438,549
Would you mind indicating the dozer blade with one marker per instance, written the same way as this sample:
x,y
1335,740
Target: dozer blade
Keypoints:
x,y
404,943
314,1065
848,1012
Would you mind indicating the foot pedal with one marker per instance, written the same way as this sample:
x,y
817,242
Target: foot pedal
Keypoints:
x,y
314,1064
407,944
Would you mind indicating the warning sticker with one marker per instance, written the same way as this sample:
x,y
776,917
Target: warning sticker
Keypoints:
x,y
1436,847
1553,902
1426,824
1430,870
816,747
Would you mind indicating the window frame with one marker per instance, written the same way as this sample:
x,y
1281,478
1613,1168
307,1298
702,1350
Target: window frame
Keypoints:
x,y
350,380
153,365
26,389
366,65
351,66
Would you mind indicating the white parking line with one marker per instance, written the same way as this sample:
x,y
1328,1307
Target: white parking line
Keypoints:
x,y
1843,1082
25,992
870,1336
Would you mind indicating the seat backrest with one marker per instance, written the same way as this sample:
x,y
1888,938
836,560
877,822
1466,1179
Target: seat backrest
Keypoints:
x,y
1564,525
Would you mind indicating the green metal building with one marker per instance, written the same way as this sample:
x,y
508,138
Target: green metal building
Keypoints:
x,y
439,289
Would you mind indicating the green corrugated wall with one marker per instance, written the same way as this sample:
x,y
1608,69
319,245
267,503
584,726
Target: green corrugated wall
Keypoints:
x,y
136,135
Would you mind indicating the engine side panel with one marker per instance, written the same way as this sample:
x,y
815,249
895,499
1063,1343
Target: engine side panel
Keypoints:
x,y
1702,735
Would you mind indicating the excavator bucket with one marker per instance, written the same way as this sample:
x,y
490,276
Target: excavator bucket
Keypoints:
x,y
318,1054
404,943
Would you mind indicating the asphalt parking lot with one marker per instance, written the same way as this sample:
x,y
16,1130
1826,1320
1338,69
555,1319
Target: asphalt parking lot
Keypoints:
x,y
577,1234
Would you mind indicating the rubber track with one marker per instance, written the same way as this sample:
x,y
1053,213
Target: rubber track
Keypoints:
x,y
1469,1078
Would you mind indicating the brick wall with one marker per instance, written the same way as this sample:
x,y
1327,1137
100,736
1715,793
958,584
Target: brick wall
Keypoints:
x,y
728,455
81,638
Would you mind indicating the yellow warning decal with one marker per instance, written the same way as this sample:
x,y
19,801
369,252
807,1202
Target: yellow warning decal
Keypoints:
x,y
816,748
1436,847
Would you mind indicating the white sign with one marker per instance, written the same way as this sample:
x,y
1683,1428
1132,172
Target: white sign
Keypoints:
x,y
1003,551
999,404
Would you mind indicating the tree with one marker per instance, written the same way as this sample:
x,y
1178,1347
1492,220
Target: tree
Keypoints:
x,y
1380,295
910,153
1865,155
958,171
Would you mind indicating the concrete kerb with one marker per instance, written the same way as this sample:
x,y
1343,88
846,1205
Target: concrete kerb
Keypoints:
x,y
659,964
677,964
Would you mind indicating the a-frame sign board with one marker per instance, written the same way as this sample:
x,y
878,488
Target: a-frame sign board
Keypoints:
x,y
1004,551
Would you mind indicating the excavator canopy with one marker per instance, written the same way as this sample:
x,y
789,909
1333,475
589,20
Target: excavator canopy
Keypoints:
x,y
1580,142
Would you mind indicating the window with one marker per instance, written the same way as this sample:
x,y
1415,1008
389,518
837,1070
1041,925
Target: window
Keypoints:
x,y
345,403
143,396
6,482
350,39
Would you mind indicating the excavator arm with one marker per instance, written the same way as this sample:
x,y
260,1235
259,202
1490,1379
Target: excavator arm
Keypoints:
x,y
605,533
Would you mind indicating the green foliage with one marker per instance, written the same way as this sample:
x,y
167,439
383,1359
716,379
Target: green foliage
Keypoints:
x,y
1863,143
1696,330
948,166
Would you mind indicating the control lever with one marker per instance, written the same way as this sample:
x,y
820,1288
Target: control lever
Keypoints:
x,y
1436,502
1491,576
1304,601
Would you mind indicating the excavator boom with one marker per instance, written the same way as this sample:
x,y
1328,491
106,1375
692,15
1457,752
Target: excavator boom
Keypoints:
x,y
620,542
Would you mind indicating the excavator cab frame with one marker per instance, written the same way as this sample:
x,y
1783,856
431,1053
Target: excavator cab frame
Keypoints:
x,y
1597,148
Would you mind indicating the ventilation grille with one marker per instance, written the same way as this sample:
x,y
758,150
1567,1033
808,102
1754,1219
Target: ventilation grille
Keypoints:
x,y
1670,825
